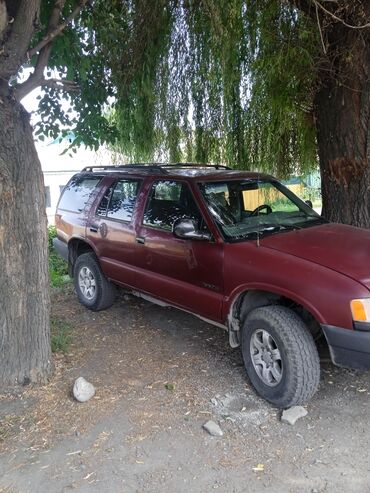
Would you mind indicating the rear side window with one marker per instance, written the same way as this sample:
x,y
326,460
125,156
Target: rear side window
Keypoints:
x,y
119,201
77,193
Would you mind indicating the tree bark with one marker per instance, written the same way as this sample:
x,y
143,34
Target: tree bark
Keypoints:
x,y
25,354
342,111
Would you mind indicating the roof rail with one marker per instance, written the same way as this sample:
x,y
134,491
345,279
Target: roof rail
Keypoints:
x,y
150,167
153,167
195,165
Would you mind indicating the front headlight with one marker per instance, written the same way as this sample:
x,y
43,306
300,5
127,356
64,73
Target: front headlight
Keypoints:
x,y
361,310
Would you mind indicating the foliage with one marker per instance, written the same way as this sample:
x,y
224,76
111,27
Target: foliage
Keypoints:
x,y
314,195
198,80
52,233
60,335
214,80
58,268
218,81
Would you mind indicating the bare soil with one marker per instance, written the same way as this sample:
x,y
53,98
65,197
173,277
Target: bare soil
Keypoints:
x,y
160,375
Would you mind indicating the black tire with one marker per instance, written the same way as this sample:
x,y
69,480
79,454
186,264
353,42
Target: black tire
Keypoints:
x,y
104,292
292,370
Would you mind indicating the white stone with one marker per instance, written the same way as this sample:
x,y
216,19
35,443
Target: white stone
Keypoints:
x,y
291,415
83,390
213,429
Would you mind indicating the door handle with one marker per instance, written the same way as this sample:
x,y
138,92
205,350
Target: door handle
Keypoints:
x,y
140,239
94,228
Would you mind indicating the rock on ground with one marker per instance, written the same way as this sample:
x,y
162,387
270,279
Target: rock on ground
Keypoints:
x,y
83,390
213,429
291,415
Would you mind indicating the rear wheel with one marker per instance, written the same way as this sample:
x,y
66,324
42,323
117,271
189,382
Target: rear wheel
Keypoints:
x,y
280,356
93,289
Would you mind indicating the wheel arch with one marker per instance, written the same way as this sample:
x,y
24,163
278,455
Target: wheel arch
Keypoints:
x,y
245,300
76,247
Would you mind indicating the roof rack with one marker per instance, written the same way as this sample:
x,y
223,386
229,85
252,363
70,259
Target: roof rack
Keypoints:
x,y
153,167
143,166
195,165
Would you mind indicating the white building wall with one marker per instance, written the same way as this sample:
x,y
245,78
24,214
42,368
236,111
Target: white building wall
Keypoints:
x,y
58,168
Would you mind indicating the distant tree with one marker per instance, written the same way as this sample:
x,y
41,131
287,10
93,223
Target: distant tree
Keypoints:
x,y
268,84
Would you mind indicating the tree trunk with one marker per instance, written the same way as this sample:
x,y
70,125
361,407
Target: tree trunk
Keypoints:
x,y
342,110
24,291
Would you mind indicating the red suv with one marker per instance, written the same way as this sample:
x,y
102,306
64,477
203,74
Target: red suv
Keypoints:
x,y
237,249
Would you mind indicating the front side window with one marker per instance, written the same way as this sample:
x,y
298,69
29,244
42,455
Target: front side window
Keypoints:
x,y
119,200
77,193
243,209
168,201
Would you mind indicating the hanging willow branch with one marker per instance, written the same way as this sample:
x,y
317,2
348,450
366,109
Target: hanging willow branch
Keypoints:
x,y
214,85
197,80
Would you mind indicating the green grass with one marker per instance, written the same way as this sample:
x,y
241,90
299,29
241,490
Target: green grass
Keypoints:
x,y
58,267
60,335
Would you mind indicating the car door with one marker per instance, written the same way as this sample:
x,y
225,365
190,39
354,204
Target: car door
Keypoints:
x,y
72,210
185,273
111,230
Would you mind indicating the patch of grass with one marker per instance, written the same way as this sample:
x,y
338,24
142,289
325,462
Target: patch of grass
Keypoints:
x,y
60,335
58,268
8,426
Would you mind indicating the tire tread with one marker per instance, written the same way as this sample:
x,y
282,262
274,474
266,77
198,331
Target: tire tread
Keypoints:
x,y
299,346
106,290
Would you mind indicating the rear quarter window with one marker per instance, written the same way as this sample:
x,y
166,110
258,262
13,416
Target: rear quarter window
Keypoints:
x,y
78,191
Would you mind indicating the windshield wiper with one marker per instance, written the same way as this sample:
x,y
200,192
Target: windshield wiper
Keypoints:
x,y
279,227
305,215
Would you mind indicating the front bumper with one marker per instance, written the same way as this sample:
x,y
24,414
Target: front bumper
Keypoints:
x,y
349,348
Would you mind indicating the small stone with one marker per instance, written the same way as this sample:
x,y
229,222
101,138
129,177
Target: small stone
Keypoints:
x,y
291,415
83,390
213,429
214,401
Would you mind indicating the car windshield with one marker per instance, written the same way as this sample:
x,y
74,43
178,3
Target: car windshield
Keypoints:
x,y
245,209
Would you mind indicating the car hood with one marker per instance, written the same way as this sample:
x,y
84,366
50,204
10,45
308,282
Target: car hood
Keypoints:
x,y
342,248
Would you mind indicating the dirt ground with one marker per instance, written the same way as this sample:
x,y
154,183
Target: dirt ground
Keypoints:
x,y
160,375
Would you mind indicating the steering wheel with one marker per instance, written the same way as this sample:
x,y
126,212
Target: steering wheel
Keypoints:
x,y
260,208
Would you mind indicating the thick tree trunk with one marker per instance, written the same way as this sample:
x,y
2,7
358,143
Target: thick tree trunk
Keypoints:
x,y
342,110
24,292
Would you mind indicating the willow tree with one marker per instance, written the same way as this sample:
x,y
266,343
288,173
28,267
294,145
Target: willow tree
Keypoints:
x,y
272,84
268,84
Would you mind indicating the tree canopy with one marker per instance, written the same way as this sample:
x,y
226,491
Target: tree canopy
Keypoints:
x,y
182,80
228,81
196,80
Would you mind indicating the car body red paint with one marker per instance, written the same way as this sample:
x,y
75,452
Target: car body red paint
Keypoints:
x,y
320,268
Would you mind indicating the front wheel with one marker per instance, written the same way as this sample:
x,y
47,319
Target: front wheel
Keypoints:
x,y
93,289
280,356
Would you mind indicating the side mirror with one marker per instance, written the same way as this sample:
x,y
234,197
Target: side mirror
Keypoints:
x,y
186,229
309,203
